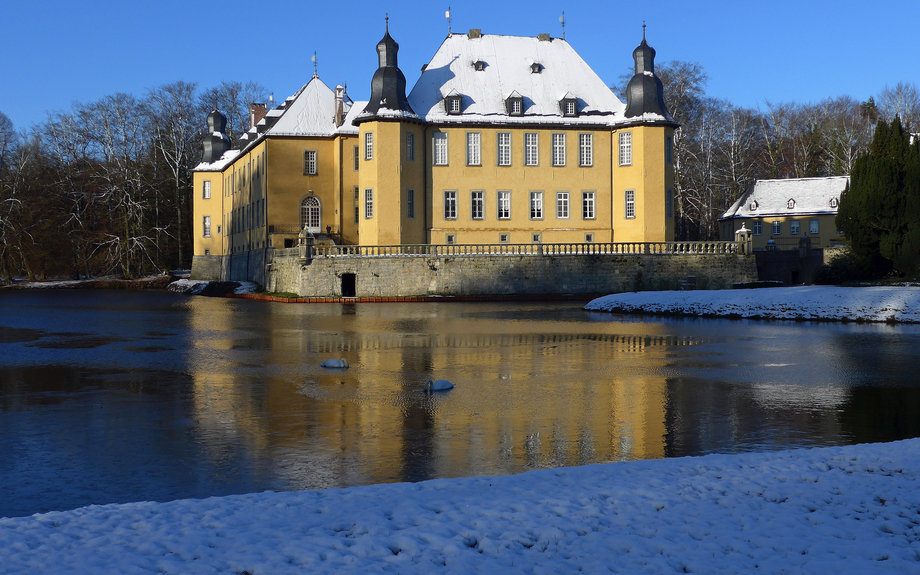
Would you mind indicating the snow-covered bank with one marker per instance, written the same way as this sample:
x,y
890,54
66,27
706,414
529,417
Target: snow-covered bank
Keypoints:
x,y
832,510
869,304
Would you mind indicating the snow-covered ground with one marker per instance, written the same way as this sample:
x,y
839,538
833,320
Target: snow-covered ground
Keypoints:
x,y
870,304
839,510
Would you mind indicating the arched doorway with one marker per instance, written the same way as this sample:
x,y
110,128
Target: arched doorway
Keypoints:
x,y
310,214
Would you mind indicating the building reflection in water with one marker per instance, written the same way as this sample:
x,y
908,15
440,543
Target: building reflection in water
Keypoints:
x,y
531,393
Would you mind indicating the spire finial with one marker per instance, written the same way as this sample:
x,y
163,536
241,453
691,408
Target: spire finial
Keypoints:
x,y
315,74
643,30
388,22
562,21
447,15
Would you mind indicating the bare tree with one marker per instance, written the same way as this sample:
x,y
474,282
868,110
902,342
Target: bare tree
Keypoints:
x,y
232,99
903,101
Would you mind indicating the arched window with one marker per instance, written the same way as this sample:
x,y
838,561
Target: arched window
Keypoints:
x,y
310,214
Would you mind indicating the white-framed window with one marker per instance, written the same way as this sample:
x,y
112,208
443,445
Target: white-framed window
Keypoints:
x,y
586,149
410,147
206,189
669,203
813,227
309,162
451,238
477,205
588,205
357,157
536,205
758,228
794,227
473,149
669,149
562,205
776,228
410,203
206,226
440,148
630,204
531,149
357,214
569,107
369,145
625,141
368,203
504,205
453,105
516,106
790,204
504,148
450,204
310,213
559,150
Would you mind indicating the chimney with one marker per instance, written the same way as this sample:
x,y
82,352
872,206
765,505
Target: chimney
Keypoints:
x,y
257,111
543,37
474,33
339,106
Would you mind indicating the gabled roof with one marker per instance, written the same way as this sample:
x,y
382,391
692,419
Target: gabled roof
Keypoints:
x,y
771,198
508,61
310,112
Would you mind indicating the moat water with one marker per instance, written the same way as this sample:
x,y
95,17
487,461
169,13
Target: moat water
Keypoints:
x,y
109,396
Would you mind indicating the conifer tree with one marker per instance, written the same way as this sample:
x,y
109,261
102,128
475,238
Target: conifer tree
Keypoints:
x,y
880,207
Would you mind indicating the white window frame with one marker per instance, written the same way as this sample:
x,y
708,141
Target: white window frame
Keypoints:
x,y
369,145
504,204
624,140
450,204
588,205
410,204
629,207
368,203
357,158
410,147
562,205
473,148
477,205
559,149
531,149
504,148
795,228
310,166
776,228
206,190
206,227
536,205
586,150
440,150
758,228
814,226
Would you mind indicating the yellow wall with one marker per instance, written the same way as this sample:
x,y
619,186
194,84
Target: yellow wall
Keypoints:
x,y
826,237
212,207
649,176
520,180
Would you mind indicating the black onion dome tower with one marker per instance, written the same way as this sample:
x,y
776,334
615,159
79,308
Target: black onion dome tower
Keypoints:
x,y
645,93
388,86
216,141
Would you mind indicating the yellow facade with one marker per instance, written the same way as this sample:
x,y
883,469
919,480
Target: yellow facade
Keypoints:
x,y
825,236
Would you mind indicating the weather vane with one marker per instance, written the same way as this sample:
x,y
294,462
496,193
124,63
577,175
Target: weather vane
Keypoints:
x,y
562,21
447,15
315,74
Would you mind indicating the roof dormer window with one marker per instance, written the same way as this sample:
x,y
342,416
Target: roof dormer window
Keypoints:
x,y
453,103
569,106
790,204
515,104
834,203
753,205
479,65
536,68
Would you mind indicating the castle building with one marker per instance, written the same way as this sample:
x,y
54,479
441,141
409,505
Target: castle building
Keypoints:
x,y
502,140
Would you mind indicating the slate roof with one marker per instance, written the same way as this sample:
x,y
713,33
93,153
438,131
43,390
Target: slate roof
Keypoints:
x,y
507,69
771,198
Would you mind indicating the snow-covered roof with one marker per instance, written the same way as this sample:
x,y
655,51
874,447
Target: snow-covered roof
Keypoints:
x,y
791,197
311,112
220,164
507,69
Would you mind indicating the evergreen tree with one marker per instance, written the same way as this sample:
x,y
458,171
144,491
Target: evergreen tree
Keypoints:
x,y
880,208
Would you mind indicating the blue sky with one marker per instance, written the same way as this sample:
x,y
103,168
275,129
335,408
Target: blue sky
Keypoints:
x,y
57,52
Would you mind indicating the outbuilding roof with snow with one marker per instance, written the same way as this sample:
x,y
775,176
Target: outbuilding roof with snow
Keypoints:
x,y
486,69
790,197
